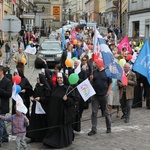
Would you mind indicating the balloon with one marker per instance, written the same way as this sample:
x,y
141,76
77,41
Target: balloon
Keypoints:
x,y
68,62
18,89
129,57
75,42
77,36
122,62
73,78
74,58
89,46
16,79
23,60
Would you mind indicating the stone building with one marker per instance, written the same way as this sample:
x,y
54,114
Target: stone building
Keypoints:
x,y
139,18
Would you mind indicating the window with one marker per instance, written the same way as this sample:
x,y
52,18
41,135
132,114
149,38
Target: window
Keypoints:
x,y
134,1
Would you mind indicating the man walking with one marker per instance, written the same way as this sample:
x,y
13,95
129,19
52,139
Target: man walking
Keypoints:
x,y
102,86
5,94
127,93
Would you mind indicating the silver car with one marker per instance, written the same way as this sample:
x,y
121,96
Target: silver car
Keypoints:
x,y
50,51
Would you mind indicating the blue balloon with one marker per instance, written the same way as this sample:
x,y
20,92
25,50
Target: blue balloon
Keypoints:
x,y
18,89
77,36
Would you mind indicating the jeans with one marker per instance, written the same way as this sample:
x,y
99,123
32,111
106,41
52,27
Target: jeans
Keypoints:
x,y
103,102
3,131
20,141
126,106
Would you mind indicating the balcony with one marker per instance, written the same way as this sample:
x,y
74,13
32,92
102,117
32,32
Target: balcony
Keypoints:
x,y
116,2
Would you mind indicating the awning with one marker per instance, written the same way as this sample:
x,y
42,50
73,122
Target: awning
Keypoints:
x,y
32,16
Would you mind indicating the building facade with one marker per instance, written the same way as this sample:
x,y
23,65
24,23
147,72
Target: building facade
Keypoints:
x,y
111,13
139,18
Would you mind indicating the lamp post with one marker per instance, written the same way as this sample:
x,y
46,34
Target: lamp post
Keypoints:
x,y
36,11
69,14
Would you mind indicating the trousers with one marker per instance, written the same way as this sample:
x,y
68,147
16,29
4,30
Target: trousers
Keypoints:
x,y
20,141
126,105
3,131
103,102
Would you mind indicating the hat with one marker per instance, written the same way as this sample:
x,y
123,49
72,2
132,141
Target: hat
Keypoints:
x,y
42,70
15,70
59,74
137,48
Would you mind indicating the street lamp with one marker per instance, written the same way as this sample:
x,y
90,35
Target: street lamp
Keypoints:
x,y
36,11
69,14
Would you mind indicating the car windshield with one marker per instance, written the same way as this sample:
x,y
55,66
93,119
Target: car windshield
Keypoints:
x,y
51,45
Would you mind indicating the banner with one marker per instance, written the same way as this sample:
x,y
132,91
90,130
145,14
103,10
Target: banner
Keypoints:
x,y
142,63
86,90
30,50
125,43
21,107
39,109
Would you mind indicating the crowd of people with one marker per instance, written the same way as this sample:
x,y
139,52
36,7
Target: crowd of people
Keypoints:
x,y
61,102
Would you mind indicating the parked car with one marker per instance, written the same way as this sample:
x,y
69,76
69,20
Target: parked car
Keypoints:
x,y
50,51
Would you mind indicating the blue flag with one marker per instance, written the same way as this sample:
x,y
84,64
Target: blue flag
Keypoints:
x,y
63,39
113,69
142,63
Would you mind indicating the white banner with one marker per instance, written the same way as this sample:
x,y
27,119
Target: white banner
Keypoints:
x,y
39,109
21,107
86,90
30,50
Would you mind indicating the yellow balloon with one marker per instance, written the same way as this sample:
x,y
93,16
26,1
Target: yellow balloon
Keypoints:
x,y
23,60
68,62
122,62
75,42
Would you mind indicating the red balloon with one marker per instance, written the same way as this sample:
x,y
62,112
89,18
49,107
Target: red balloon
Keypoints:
x,y
89,46
16,79
129,57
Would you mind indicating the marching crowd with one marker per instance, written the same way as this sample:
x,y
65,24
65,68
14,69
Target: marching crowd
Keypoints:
x,y
61,101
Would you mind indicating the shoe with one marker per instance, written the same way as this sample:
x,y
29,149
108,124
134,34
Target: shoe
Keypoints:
x,y
126,120
117,116
5,141
31,141
108,131
26,148
123,117
91,133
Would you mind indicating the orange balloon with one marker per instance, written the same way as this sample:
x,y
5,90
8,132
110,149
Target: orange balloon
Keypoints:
x,y
68,63
75,42
23,60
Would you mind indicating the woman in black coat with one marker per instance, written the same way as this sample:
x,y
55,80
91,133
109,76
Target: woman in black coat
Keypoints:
x,y
38,121
60,133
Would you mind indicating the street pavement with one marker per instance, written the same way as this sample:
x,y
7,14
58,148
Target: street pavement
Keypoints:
x,y
125,136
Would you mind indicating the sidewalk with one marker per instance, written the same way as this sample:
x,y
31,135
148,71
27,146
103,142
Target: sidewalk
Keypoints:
x,y
131,136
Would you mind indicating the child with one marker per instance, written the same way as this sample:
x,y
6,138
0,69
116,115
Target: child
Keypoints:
x,y
19,122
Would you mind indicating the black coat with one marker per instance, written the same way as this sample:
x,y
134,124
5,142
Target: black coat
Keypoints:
x,y
5,94
64,57
39,121
60,133
7,48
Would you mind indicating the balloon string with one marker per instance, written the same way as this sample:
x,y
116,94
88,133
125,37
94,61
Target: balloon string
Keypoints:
x,y
71,90
67,89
